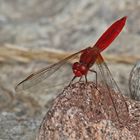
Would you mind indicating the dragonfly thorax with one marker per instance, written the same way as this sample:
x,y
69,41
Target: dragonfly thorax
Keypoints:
x,y
79,69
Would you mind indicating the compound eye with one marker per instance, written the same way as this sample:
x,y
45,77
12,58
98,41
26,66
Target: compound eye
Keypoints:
x,y
76,69
75,65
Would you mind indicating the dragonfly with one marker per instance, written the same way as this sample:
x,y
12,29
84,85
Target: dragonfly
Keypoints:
x,y
88,57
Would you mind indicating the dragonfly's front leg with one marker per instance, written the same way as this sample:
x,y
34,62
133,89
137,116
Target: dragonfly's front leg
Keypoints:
x,y
72,80
95,76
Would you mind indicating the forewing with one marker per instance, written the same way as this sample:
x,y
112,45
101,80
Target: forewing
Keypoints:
x,y
39,76
119,105
43,85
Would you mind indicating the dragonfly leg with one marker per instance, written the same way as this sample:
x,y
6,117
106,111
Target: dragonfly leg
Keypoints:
x,y
80,78
95,76
86,78
71,80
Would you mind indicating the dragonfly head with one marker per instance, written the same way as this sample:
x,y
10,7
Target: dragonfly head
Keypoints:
x,y
79,69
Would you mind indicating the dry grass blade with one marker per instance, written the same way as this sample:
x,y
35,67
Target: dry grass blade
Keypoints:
x,y
14,53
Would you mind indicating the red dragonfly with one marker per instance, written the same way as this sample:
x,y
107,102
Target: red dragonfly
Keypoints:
x,y
88,57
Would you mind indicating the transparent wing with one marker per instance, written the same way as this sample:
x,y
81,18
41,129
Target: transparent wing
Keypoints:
x,y
42,74
44,85
119,106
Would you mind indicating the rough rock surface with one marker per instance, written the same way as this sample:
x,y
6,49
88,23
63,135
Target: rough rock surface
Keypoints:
x,y
83,112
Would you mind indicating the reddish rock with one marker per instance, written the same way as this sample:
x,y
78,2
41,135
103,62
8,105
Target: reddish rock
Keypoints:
x,y
81,112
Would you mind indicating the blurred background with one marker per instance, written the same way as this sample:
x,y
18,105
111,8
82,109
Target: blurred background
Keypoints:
x,y
37,33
